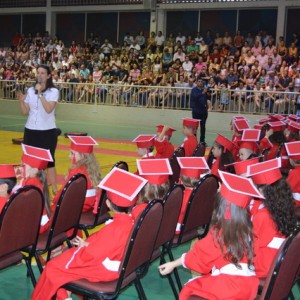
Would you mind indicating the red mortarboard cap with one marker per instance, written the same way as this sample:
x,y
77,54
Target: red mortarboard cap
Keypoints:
x,y
277,126
240,167
122,187
238,190
36,157
169,131
264,121
266,172
156,171
293,150
191,122
249,139
288,121
239,118
82,144
294,126
225,142
294,118
192,166
144,140
241,124
7,171
257,126
276,117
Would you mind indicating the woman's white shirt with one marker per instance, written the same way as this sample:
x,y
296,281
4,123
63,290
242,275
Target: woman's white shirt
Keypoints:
x,y
38,118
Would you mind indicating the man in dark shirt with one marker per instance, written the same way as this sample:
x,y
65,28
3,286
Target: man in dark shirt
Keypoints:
x,y
199,107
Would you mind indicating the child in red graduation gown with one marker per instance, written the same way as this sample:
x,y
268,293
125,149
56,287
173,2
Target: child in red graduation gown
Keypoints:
x,y
162,144
35,161
83,162
293,179
191,169
98,258
221,155
223,259
145,145
190,127
157,173
7,182
273,218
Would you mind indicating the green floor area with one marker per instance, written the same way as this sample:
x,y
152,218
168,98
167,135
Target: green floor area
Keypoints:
x,y
115,122
14,285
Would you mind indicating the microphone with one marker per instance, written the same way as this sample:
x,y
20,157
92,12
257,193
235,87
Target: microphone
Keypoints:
x,y
38,81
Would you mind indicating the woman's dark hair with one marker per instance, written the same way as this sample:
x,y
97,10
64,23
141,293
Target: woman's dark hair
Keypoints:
x,y
49,82
226,158
279,202
11,182
234,235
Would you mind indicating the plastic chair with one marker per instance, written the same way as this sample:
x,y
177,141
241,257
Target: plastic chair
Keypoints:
x,y
200,150
284,271
19,227
172,205
90,220
65,217
136,258
179,152
198,214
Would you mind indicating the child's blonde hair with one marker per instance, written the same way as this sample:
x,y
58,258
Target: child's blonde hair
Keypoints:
x,y
91,164
153,191
187,181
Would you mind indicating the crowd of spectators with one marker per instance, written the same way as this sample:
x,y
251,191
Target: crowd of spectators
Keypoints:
x,y
230,67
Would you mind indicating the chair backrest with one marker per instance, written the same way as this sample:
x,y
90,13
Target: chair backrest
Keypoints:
x,y
102,207
20,220
172,205
201,205
263,131
69,207
142,240
121,165
265,153
179,152
285,269
200,150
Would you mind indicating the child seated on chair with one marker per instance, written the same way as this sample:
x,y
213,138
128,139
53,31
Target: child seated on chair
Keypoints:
x,y
224,260
7,182
157,173
273,217
83,162
145,145
190,127
163,146
293,179
99,257
221,155
35,161
191,170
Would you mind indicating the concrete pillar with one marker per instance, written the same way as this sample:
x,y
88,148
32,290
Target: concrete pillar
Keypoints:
x,y
280,19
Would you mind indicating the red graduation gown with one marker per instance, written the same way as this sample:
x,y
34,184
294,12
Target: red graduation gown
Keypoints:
x,y
186,196
94,262
267,239
203,258
90,198
294,181
3,201
189,144
37,183
164,149
215,167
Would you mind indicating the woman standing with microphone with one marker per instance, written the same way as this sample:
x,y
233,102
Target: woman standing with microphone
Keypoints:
x,y
39,104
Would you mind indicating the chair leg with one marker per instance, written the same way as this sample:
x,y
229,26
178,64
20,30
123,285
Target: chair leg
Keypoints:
x,y
30,271
86,232
175,270
139,289
39,264
171,282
